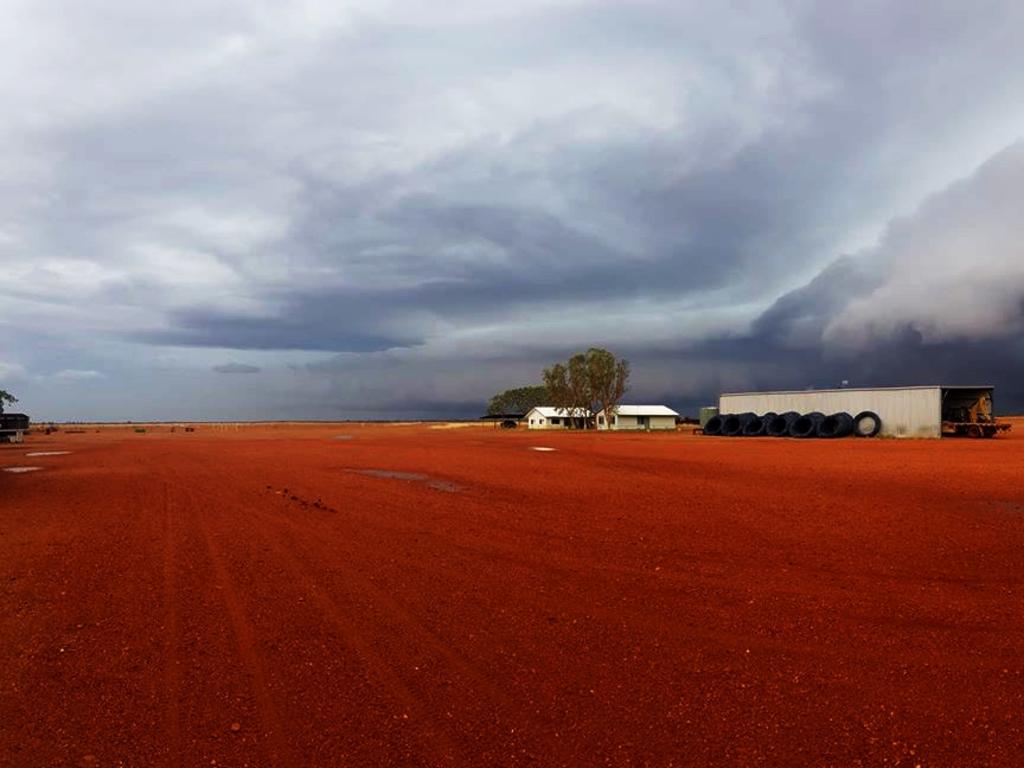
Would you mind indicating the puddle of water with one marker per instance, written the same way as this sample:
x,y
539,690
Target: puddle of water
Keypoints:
x,y
342,437
444,485
540,448
437,485
392,474
48,453
19,470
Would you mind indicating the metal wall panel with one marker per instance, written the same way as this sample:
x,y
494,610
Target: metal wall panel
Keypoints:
x,y
910,412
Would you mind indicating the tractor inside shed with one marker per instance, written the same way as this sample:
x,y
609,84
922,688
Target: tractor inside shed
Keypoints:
x,y
969,412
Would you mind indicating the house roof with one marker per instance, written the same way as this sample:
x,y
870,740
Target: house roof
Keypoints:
x,y
623,410
645,410
548,412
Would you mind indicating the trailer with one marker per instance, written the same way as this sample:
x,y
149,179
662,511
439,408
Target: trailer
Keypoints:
x,y
919,411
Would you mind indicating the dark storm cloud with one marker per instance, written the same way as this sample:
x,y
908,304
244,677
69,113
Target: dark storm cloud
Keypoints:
x,y
798,317
940,300
329,322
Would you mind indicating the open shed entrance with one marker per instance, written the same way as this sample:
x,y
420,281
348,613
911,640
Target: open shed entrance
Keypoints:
x,y
969,412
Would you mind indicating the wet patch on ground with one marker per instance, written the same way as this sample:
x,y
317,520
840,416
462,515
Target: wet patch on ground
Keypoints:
x,y
1009,506
48,453
293,498
20,470
342,437
543,448
410,477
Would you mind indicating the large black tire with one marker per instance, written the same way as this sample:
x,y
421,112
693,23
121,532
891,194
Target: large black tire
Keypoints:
x,y
731,425
754,427
713,426
836,425
806,425
734,424
778,426
866,424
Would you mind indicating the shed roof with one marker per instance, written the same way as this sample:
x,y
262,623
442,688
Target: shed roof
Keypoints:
x,y
548,412
645,410
861,389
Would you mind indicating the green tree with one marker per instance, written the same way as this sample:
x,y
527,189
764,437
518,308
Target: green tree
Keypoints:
x,y
518,400
569,387
556,382
608,378
589,383
563,392
6,398
580,391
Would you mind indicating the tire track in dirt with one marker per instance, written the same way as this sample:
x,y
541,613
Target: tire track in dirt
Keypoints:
x,y
404,617
438,739
172,671
276,749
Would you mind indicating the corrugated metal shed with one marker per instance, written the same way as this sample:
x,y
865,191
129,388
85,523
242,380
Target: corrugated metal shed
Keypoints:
x,y
904,411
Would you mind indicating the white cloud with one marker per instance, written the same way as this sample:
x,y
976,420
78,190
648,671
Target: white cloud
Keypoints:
x,y
72,374
11,371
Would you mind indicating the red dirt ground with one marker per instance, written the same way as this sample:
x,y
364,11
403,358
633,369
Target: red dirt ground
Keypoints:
x,y
626,600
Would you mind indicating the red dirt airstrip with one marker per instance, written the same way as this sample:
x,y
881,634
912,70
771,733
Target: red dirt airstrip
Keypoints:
x,y
254,597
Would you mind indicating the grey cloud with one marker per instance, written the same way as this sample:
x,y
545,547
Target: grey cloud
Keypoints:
x,y
452,199
237,368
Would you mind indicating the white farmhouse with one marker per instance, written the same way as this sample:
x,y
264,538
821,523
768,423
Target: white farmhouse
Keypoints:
x,y
642,417
626,417
545,417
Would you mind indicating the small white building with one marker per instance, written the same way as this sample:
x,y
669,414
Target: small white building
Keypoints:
x,y
546,417
639,417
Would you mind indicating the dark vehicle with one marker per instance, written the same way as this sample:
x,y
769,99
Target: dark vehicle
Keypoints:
x,y
504,420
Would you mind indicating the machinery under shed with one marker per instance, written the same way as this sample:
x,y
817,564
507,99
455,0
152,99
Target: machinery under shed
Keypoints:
x,y
921,411
12,427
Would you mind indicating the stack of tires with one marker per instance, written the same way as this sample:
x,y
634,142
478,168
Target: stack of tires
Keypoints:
x,y
793,424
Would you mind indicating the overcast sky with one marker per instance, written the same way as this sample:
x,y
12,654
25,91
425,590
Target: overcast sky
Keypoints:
x,y
369,209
